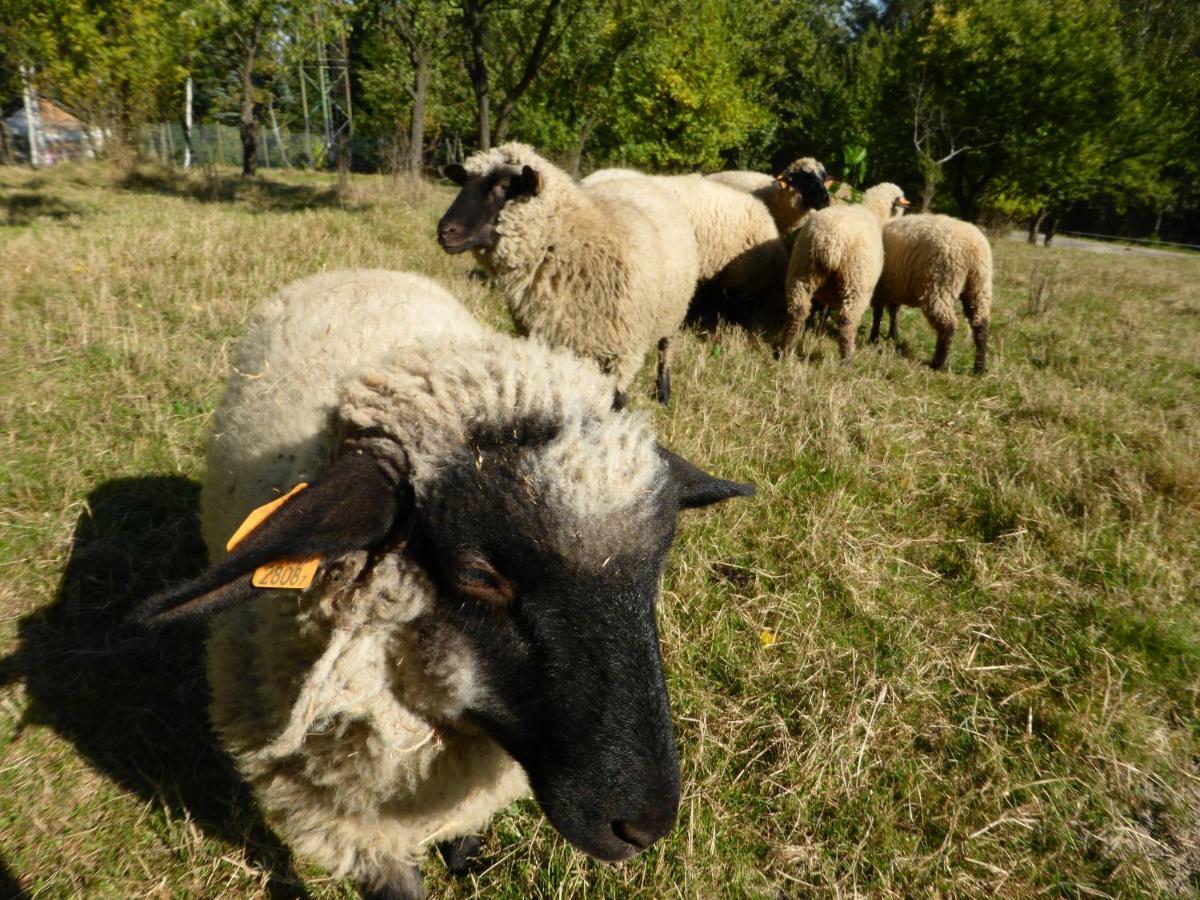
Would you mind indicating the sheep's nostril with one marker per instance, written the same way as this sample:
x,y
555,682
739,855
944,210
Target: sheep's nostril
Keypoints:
x,y
640,836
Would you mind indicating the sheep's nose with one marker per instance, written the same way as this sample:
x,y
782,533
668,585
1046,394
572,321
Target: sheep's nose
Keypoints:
x,y
449,230
645,831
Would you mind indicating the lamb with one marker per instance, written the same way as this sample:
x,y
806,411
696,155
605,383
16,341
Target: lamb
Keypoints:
x,y
932,262
801,187
604,270
836,262
740,248
490,536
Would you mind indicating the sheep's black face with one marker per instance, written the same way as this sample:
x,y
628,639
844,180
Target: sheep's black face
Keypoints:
x,y
470,222
558,608
810,184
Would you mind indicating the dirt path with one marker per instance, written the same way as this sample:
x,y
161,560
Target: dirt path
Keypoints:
x,y
1062,240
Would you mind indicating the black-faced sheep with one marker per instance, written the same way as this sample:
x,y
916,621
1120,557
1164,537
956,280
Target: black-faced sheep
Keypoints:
x,y
490,535
800,188
605,270
934,262
836,262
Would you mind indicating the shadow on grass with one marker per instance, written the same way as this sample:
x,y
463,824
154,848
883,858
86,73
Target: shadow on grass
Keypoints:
x,y
257,194
27,208
134,707
10,888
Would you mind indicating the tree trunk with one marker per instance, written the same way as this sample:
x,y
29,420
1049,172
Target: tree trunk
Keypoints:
x,y
477,70
187,124
1035,225
542,47
416,129
1051,228
287,163
33,139
249,124
585,131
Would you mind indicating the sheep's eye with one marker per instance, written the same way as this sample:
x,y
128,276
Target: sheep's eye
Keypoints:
x,y
479,580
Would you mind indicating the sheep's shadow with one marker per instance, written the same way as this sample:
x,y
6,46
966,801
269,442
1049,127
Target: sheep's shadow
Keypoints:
x,y
135,707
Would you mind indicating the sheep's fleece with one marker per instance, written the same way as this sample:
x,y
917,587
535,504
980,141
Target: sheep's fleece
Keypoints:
x,y
605,270
324,698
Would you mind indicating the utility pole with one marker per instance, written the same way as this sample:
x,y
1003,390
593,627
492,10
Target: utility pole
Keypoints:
x,y
187,124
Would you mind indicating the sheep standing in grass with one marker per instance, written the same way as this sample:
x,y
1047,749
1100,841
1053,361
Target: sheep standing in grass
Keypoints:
x,y
935,262
800,188
491,536
605,270
741,253
836,262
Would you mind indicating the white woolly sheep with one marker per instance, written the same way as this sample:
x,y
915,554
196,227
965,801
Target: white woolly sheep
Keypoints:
x,y
790,195
604,270
934,262
491,536
741,251
836,261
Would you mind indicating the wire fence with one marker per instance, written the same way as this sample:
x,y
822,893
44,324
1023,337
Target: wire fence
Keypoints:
x,y
215,144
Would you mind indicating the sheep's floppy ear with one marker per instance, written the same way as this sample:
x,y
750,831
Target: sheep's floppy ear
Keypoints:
x,y
695,487
351,507
455,173
529,181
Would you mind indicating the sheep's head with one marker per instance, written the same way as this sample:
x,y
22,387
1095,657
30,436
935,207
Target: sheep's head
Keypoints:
x,y
886,201
541,523
470,222
807,179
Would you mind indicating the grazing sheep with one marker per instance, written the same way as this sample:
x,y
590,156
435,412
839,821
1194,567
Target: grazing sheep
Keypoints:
x,y
741,252
604,270
933,262
801,187
491,536
836,261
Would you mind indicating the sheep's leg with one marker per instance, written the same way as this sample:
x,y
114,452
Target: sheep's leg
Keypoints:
x,y
800,293
893,322
461,854
945,336
979,326
876,319
979,330
849,317
402,883
663,392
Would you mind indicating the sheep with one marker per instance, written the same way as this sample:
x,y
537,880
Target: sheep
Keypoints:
x,y
491,535
801,187
741,252
932,261
836,261
605,270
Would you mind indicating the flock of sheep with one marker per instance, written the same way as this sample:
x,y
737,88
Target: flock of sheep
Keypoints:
x,y
473,528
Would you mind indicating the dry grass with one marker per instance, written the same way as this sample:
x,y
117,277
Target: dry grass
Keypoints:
x,y
953,648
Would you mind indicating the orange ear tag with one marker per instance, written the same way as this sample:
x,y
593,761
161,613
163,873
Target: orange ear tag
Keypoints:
x,y
293,574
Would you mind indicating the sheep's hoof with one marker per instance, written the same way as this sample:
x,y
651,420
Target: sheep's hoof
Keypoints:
x,y
405,885
620,400
461,855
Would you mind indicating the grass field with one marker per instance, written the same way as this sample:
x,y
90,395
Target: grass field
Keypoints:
x,y
951,649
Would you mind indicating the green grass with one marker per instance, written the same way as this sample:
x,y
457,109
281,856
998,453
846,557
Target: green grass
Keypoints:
x,y
981,660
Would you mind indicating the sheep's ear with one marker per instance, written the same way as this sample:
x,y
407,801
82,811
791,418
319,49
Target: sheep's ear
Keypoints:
x,y
455,173
529,181
695,487
352,507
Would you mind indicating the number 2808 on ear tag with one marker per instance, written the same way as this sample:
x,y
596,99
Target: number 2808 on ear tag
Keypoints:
x,y
296,574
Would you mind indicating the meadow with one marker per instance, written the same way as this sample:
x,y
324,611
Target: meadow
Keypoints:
x,y
951,649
